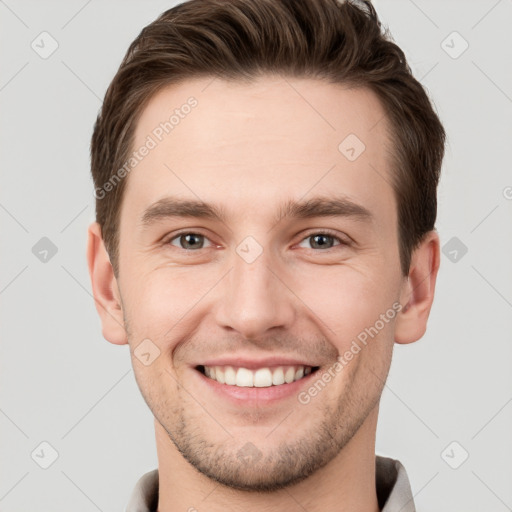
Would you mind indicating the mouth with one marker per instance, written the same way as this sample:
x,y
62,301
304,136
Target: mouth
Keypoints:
x,y
264,377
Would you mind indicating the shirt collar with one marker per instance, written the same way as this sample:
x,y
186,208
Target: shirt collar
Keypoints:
x,y
393,489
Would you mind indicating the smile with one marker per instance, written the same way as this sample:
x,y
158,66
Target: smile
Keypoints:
x,y
257,378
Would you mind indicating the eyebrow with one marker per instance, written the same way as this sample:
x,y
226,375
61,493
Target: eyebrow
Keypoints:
x,y
170,207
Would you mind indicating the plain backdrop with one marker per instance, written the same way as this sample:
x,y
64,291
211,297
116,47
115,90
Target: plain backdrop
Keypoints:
x,y
446,411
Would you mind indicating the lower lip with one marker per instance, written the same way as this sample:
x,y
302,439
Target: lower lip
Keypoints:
x,y
256,396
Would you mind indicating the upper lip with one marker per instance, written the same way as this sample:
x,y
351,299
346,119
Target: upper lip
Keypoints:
x,y
254,363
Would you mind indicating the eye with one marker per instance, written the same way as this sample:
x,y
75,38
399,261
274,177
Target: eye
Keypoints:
x,y
322,241
189,241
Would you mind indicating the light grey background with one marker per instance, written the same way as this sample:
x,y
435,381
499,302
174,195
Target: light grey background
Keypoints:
x,y
62,383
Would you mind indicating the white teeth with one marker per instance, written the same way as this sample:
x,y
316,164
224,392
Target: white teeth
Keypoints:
x,y
218,375
278,376
260,378
263,378
244,378
230,375
289,375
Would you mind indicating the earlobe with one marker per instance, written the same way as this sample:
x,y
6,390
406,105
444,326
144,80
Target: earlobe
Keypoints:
x,y
104,288
418,290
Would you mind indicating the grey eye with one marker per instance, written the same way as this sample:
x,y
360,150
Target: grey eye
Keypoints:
x,y
320,241
189,241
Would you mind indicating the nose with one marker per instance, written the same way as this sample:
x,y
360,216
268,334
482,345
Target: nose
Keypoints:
x,y
255,297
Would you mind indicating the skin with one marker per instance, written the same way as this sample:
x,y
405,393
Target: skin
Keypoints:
x,y
248,148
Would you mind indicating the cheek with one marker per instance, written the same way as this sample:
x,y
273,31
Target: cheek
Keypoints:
x,y
158,301
347,300
159,389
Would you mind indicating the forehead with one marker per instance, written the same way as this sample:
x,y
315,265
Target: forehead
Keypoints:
x,y
253,144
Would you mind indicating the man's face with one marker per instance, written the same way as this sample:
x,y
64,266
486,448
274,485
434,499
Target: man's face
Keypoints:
x,y
271,290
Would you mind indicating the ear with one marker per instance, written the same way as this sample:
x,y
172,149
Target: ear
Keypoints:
x,y
104,287
418,290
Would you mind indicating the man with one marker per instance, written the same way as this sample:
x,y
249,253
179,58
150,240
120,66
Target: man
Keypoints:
x,y
265,174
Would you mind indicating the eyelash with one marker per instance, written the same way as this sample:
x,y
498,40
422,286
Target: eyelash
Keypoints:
x,y
332,234
327,232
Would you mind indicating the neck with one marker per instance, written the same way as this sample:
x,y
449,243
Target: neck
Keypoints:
x,y
346,483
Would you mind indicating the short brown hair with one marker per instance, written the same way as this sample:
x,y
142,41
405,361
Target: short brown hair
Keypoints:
x,y
339,42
